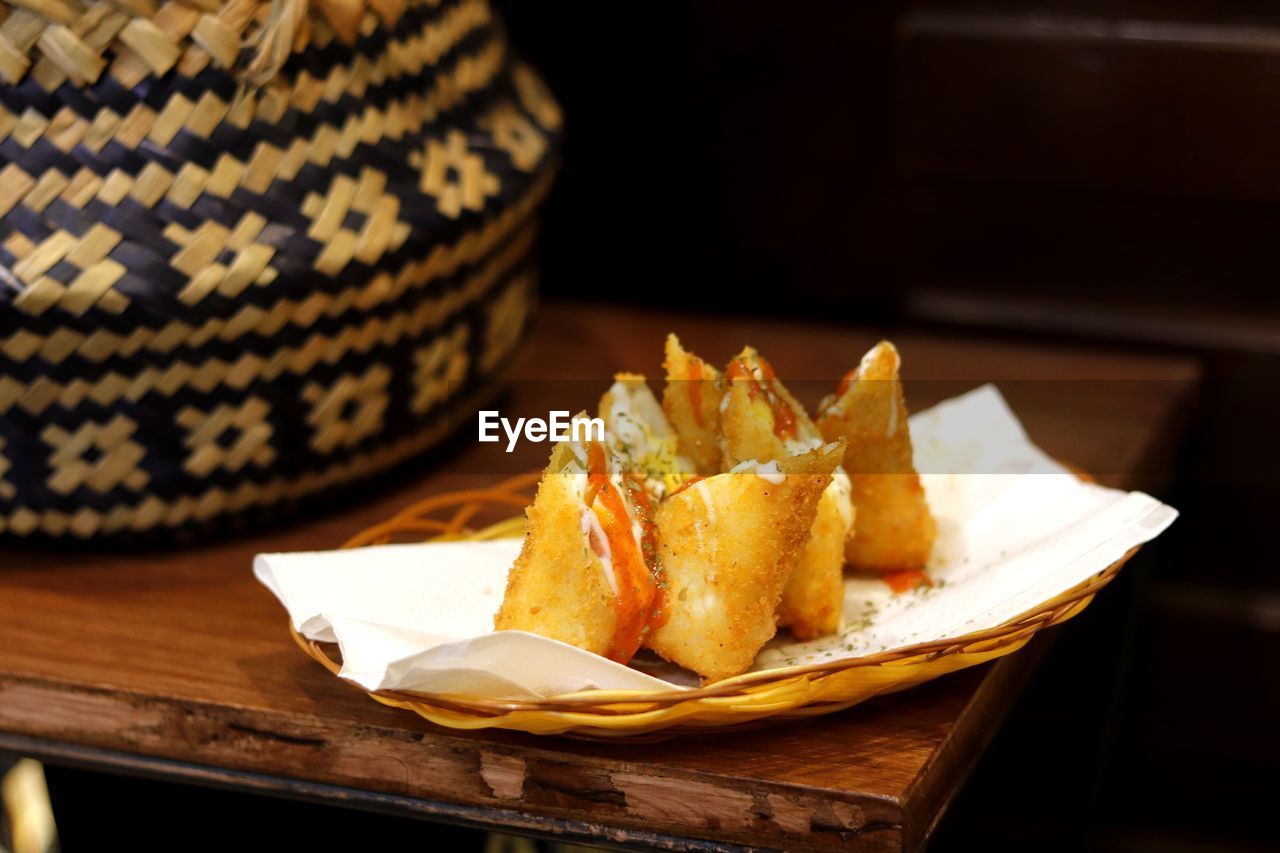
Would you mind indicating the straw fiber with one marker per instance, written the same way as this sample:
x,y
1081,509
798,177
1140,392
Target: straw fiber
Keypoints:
x,y
251,250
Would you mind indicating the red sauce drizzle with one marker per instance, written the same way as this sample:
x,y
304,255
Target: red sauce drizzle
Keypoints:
x,y
846,382
906,580
637,589
686,484
784,420
642,500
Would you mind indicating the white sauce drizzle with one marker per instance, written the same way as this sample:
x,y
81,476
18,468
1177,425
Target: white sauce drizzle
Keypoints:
x,y
897,359
865,363
591,525
873,353
629,428
703,492
592,528
796,446
893,418
633,513
641,434
841,488
767,471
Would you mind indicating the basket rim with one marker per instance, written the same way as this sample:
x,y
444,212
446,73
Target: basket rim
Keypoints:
x,y
1021,627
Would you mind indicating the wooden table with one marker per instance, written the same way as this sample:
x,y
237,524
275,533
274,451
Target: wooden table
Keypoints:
x,y
175,663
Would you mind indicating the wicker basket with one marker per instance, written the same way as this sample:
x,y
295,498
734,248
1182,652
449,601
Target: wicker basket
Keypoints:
x,y
251,250
746,700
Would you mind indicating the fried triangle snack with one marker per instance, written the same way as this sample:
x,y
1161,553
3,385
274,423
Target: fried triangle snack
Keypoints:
x,y
727,545
813,600
762,420
895,528
585,573
640,434
691,400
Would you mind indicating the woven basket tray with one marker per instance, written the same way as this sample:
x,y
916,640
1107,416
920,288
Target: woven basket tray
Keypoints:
x,y
251,250
779,694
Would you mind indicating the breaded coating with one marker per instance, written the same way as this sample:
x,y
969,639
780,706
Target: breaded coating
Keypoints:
x,y
759,418
813,600
728,544
691,400
895,528
557,586
762,420
639,433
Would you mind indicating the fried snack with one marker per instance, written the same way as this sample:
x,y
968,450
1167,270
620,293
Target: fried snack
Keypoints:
x,y
640,434
691,401
813,600
727,545
895,528
584,575
761,420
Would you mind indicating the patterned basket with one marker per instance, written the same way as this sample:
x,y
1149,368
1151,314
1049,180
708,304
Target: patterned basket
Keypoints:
x,y
249,250
747,700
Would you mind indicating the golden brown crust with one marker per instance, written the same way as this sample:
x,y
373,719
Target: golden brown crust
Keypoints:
x,y
695,414
747,418
813,599
728,546
895,528
640,434
557,587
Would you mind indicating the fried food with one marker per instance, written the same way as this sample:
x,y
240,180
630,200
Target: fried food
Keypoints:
x,y
585,573
895,528
759,417
699,525
813,600
691,400
762,420
640,434
727,545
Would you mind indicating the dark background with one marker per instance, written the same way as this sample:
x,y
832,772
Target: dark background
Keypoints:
x,y
1079,173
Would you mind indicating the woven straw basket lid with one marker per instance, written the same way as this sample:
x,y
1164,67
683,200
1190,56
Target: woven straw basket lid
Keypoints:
x,y
58,40
250,251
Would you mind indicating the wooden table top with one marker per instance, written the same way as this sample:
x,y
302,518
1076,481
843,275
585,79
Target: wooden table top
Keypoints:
x,y
175,663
